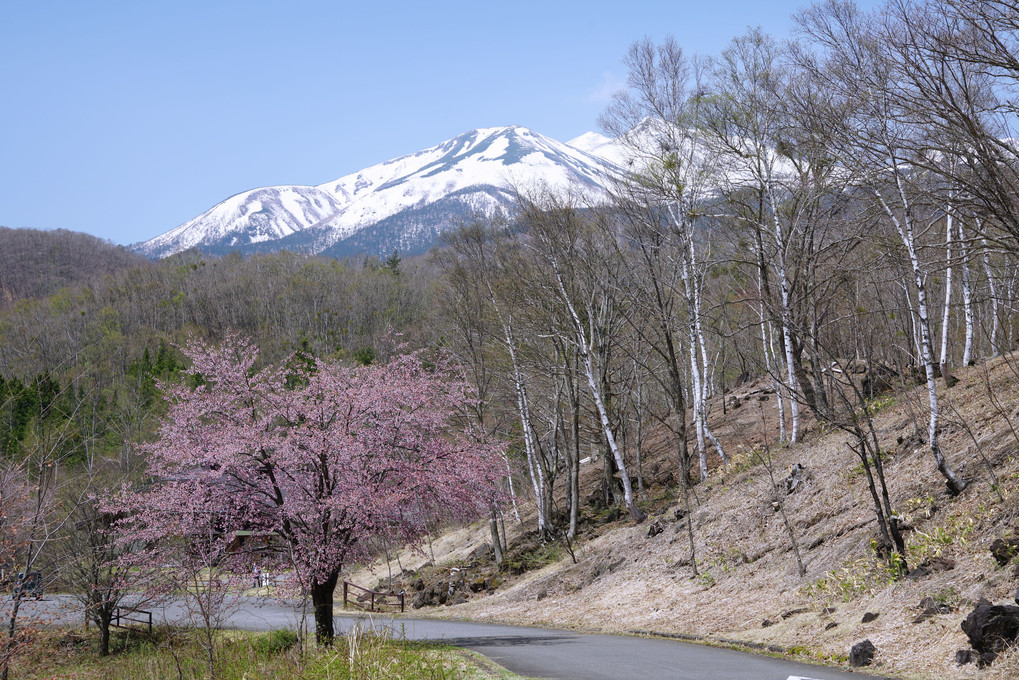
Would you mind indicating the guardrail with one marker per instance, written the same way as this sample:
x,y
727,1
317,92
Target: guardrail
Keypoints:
x,y
122,618
375,600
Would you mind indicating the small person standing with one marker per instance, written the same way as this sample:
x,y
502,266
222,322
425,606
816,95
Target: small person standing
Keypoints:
x,y
258,576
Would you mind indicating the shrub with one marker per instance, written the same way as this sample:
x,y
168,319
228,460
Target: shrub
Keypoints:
x,y
274,642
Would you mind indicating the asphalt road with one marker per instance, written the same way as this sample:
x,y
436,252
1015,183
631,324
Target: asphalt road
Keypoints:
x,y
532,652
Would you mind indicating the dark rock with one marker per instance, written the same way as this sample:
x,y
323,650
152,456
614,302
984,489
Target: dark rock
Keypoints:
x,y
912,441
426,598
862,654
1004,550
875,383
477,585
458,598
655,528
796,477
679,513
950,380
763,397
793,612
832,624
829,610
417,584
930,607
932,566
965,656
991,629
766,623
869,616
1017,595
605,567
483,551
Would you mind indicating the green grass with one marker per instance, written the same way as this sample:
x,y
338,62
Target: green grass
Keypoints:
x,y
175,654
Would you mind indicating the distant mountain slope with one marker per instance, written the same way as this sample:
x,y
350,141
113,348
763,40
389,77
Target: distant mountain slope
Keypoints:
x,y
251,217
35,263
403,203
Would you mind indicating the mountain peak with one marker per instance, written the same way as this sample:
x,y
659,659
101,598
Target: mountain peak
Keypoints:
x,y
589,141
413,198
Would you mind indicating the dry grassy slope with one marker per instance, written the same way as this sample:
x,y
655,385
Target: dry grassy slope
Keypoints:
x,y
626,580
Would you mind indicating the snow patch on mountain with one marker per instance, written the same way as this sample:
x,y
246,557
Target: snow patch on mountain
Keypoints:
x,y
477,171
256,216
589,142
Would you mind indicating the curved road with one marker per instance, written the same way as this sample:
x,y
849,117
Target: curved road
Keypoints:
x,y
532,652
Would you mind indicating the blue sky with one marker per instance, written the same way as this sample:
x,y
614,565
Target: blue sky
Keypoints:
x,y
125,119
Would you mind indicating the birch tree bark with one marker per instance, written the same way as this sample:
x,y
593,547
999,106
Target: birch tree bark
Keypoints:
x,y
949,228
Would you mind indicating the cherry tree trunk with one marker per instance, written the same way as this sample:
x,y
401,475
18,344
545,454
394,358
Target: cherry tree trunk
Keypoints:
x,y
322,602
104,633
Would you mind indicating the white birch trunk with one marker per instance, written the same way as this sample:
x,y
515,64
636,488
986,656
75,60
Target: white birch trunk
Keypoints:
x,y
994,295
769,361
776,383
698,354
786,319
523,410
948,287
698,329
967,296
584,350
905,230
695,380
512,491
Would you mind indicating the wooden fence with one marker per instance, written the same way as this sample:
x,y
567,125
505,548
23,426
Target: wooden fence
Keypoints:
x,y
125,617
370,600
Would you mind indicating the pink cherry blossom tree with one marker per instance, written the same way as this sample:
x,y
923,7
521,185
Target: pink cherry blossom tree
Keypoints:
x,y
320,461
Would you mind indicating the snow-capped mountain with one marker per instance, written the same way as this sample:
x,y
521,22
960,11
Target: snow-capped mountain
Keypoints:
x,y
402,204
257,216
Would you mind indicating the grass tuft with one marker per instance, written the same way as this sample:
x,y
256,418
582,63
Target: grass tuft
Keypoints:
x,y
176,654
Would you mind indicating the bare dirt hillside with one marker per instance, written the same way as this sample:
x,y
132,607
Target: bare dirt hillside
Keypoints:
x,y
748,586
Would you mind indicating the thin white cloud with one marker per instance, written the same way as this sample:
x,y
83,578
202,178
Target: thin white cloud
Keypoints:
x,y
609,85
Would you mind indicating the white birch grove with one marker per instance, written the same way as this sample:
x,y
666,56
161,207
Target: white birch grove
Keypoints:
x,y
876,138
555,230
469,295
657,119
786,215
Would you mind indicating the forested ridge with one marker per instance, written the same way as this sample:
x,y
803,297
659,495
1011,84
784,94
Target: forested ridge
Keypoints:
x,y
36,263
99,347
